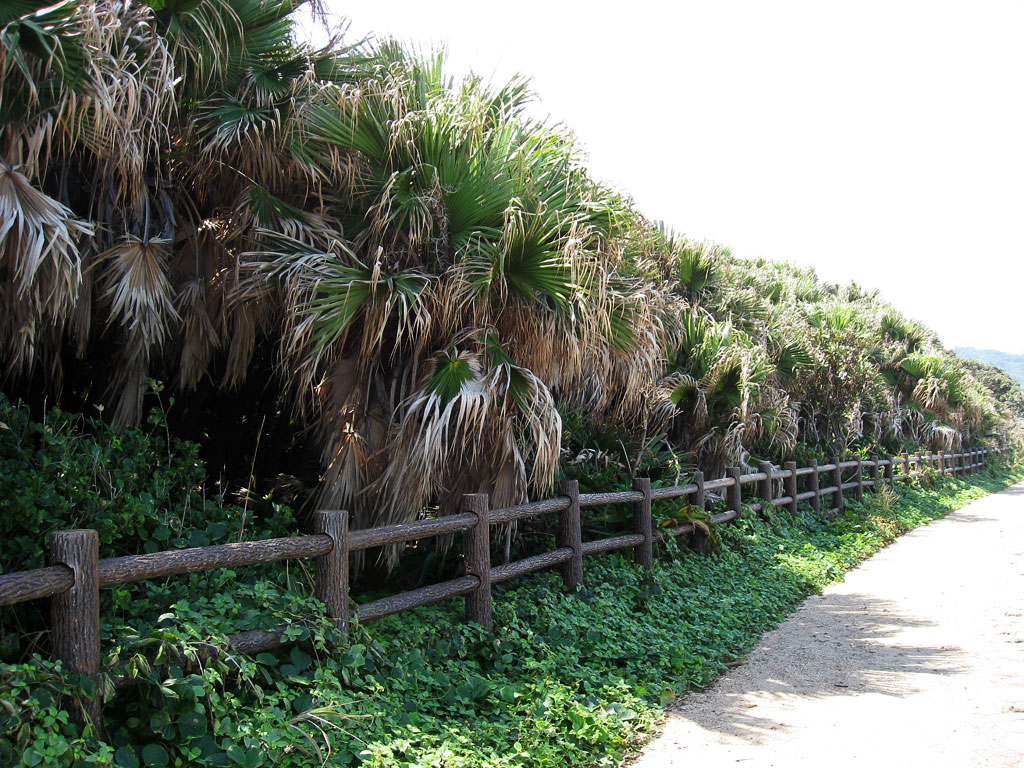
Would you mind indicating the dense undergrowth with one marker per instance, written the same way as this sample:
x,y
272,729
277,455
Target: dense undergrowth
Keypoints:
x,y
566,679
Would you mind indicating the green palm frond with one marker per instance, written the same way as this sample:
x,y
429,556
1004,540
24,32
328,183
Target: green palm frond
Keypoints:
x,y
921,366
528,267
834,317
43,55
345,290
16,9
790,357
230,125
452,371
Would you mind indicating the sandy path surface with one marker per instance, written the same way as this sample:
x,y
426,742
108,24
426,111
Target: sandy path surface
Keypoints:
x,y
916,659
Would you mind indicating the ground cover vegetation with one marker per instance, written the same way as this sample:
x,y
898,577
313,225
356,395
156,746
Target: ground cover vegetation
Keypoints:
x,y
575,679
281,277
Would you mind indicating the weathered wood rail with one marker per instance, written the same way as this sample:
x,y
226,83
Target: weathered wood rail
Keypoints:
x,y
77,574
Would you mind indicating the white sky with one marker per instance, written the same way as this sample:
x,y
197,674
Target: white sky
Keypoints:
x,y
880,142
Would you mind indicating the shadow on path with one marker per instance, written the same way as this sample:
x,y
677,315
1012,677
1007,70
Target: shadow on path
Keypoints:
x,y
837,645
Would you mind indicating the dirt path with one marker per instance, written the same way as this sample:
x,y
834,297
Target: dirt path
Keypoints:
x,y
916,659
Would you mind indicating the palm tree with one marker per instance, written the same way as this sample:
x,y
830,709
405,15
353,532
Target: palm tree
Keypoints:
x,y
472,295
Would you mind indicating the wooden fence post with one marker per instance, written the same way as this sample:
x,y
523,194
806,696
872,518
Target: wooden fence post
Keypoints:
x,y
837,481
858,492
643,553
942,463
920,459
927,458
734,493
75,614
331,569
766,487
699,538
815,485
570,534
906,467
477,543
875,474
790,485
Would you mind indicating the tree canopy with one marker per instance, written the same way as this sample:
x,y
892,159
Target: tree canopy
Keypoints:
x,y
430,279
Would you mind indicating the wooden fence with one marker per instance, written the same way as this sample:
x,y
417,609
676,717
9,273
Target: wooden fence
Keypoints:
x,y
77,574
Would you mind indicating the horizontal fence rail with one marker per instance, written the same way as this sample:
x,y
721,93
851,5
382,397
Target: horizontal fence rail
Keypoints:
x,y
74,579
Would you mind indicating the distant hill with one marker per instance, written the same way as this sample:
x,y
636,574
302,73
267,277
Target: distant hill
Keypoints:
x,y
1012,364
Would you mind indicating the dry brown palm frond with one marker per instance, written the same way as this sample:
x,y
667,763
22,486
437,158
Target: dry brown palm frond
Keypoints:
x,y
131,97
39,259
355,435
693,407
24,145
624,348
662,409
127,410
137,289
38,237
477,438
534,409
120,109
943,438
19,330
930,394
774,419
302,362
199,336
887,425
241,144
247,320
433,433
720,448
80,320
392,318
199,273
